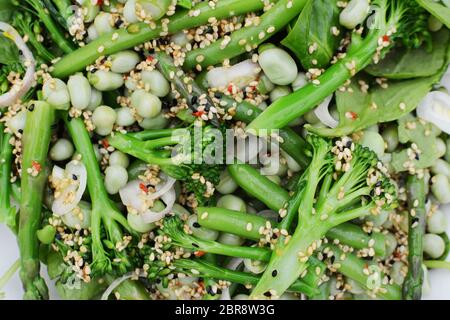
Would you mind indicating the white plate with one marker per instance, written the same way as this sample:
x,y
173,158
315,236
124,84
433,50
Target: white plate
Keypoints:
x,y
9,253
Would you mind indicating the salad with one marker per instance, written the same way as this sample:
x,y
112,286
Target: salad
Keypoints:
x,y
225,149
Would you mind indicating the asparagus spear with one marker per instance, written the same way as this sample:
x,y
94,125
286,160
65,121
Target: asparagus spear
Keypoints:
x,y
36,141
412,287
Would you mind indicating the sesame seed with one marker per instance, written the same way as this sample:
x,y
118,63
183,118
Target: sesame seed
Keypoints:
x,y
101,49
249,226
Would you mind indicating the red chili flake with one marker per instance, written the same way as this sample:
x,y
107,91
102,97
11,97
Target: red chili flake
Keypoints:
x,y
105,143
386,38
199,253
143,187
351,115
150,58
230,88
198,114
99,3
36,166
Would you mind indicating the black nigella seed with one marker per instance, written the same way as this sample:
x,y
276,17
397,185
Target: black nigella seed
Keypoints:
x,y
58,236
31,107
195,245
74,177
210,291
414,220
275,236
196,225
20,131
93,70
378,184
274,273
279,219
349,144
219,291
417,156
118,23
194,99
332,259
217,95
267,294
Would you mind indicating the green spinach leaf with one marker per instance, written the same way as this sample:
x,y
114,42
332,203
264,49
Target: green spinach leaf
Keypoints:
x,y
313,30
358,110
439,11
403,63
422,134
9,54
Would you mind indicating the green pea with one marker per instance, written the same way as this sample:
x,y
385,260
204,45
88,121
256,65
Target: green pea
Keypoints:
x,y
104,23
116,177
124,61
119,158
390,136
226,184
231,202
300,81
157,83
125,117
79,91
158,122
95,100
279,92
433,245
199,231
46,235
277,65
441,188
437,222
79,218
373,141
61,150
103,80
56,94
147,105
441,147
103,119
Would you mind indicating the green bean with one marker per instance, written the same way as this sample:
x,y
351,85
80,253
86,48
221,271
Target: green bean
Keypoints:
x,y
55,93
36,141
246,38
441,167
103,80
199,231
374,141
390,136
231,202
124,61
437,222
279,92
226,184
412,287
158,85
104,23
147,105
62,150
119,158
116,177
139,33
353,267
440,188
103,119
79,91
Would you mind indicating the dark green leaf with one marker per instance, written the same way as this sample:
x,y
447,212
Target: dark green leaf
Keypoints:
x,y
358,110
6,10
403,63
439,11
314,27
9,54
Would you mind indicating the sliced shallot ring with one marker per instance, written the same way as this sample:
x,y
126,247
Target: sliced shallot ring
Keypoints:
x,y
323,113
160,190
169,199
19,90
73,168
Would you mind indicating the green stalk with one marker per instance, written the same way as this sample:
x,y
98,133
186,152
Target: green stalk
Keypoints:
x,y
139,33
353,267
412,287
36,141
53,30
152,134
7,213
209,270
258,186
246,38
6,277
103,210
437,264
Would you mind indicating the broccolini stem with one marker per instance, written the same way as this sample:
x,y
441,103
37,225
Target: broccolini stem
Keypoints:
x,y
36,141
103,210
246,38
209,270
139,33
437,264
412,287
